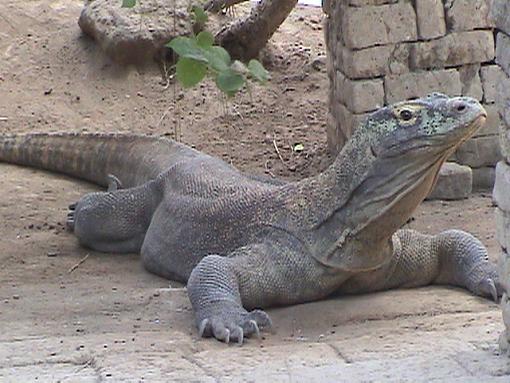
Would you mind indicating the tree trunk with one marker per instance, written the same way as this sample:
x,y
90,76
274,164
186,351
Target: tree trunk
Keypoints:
x,y
245,38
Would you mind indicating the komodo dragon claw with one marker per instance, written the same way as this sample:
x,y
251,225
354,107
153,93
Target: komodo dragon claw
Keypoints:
x,y
113,183
70,218
488,288
229,331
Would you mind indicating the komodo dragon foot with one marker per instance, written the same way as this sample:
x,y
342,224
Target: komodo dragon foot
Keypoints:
x,y
234,326
113,183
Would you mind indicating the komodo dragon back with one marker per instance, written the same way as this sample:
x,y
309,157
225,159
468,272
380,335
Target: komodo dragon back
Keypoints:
x,y
133,159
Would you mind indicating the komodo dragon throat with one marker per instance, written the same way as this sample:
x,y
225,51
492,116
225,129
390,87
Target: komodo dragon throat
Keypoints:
x,y
243,243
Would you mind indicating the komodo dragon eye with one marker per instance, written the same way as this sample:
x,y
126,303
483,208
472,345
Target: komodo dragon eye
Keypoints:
x,y
406,115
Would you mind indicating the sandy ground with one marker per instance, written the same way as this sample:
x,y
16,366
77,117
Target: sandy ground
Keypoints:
x,y
107,319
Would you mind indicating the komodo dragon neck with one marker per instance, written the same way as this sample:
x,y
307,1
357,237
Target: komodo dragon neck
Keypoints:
x,y
361,200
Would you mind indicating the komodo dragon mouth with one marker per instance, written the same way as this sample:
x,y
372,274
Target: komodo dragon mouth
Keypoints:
x,y
472,129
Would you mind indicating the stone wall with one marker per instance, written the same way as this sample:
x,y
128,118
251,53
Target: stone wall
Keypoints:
x,y
501,194
383,51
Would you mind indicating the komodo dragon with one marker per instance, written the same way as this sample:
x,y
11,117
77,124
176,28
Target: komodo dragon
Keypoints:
x,y
243,244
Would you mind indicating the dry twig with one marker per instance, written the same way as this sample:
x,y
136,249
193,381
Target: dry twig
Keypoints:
x,y
278,151
78,264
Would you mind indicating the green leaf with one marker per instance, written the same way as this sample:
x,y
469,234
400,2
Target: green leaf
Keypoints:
x,y
199,14
187,47
221,53
230,81
190,72
128,3
217,57
258,71
298,148
205,39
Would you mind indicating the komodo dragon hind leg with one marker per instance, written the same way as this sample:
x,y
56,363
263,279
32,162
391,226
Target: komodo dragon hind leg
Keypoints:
x,y
113,184
115,221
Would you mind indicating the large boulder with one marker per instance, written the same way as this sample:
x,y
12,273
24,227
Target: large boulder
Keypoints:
x,y
454,182
135,35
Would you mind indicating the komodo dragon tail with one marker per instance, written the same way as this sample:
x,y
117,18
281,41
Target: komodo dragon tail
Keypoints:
x,y
133,159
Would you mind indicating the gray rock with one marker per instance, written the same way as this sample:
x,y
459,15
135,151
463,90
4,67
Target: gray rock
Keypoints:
x,y
504,266
336,138
503,102
504,142
503,52
503,97
493,123
454,182
471,82
427,10
483,178
491,76
503,238
453,49
135,35
342,125
359,95
418,84
466,15
378,25
374,61
480,151
501,192
500,10
504,339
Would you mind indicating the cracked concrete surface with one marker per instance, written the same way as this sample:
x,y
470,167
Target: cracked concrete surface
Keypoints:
x,y
110,321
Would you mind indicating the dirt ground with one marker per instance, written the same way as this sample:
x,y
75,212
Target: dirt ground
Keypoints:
x,y
72,315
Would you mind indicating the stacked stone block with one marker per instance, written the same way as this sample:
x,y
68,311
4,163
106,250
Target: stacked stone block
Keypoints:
x,y
383,51
501,193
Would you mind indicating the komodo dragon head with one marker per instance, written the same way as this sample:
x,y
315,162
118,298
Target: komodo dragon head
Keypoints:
x,y
412,139
391,164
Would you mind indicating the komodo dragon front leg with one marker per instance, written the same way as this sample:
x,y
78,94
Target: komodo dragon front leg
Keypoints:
x,y
223,290
452,257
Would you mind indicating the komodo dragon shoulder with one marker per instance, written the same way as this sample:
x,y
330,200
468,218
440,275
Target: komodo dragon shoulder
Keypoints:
x,y
243,243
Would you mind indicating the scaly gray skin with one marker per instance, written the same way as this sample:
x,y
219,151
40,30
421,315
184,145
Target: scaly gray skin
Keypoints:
x,y
243,243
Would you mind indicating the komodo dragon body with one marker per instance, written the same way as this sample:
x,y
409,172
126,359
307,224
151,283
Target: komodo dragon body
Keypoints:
x,y
243,243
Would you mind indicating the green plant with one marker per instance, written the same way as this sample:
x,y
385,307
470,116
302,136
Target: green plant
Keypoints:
x,y
128,3
199,57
